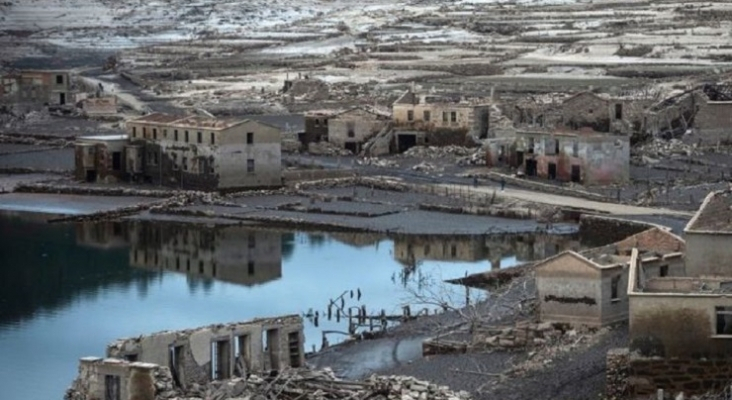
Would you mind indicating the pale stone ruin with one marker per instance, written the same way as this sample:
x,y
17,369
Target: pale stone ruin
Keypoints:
x,y
138,368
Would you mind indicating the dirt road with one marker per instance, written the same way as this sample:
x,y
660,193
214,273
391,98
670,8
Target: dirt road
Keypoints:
x,y
568,201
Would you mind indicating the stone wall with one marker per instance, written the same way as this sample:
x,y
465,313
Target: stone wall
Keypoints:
x,y
596,230
617,374
132,380
690,376
240,348
712,122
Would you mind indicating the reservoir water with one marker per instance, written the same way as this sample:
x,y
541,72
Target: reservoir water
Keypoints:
x,y
66,290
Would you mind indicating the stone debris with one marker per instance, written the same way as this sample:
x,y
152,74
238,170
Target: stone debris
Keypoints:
x,y
435,152
657,149
477,158
519,336
310,384
377,162
427,167
326,149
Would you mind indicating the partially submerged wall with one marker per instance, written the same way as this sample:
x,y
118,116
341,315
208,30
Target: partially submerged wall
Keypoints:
x,y
219,351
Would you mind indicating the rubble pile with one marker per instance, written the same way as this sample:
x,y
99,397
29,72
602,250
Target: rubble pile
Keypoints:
x,y
653,151
477,158
435,152
308,384
326,149
377,162
427,167
521,335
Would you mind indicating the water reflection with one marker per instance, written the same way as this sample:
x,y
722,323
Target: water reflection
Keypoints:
x,y
67,290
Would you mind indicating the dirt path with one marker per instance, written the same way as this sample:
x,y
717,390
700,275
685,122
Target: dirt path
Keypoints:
x,y
568,201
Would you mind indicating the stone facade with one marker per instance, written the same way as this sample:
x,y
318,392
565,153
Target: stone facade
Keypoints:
x,y
588,288
429,113
351,129
100,158
99,106
674,376
207,154
585,157
118,379
316,126
32,89
708,236
603,113
219,351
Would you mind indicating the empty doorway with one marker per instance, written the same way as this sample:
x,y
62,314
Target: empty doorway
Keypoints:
x,y
406,142
220,359
272,348
62,98
552,173
576,174
530,167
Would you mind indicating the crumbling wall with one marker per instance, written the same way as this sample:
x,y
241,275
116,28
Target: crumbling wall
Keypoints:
x,y
132,380
586,110
363,125
194,355
617,375
713,121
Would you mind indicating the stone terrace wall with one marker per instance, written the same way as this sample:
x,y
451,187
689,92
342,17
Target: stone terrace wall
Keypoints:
x,y
632,376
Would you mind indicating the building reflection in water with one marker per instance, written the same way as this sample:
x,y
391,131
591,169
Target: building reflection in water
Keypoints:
x,y
412,249
234,254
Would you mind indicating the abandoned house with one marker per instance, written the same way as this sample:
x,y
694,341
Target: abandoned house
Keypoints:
x,y
445,120
603,113
316,126
33,89
206,153
230,254
680,332
578,156
100,158
588,287
350,129
134,367
99,106
709,235
219,351
704,110
112,379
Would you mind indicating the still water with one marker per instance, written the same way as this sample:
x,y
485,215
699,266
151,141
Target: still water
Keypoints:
x,y
66,290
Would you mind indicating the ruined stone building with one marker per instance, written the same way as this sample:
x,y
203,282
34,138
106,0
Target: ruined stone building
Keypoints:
x,y
33,89
681,324
316,126
589,287
99,106
709,237
207,154
680,334
136,368
101,158
439,120
350,129
230,254
578,156
603,113
704,110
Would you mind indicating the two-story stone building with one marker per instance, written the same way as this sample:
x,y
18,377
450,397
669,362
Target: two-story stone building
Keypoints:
x,y
31,88
582,156
205,153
